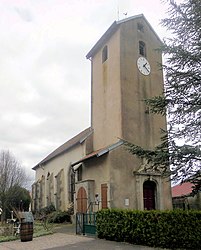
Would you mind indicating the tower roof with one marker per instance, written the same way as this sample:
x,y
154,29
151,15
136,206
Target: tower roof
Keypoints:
x,y
112,29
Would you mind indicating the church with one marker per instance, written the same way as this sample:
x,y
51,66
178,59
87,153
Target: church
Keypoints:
x,y
93,170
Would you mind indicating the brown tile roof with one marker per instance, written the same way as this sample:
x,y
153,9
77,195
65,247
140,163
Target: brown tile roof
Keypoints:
x,y
182,189
66,146
91,155
99,152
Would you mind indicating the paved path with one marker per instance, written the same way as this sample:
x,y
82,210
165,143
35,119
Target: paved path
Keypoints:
x,y
65,238
61,241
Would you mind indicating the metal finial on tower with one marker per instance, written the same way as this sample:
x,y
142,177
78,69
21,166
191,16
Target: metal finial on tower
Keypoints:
x,y
118,10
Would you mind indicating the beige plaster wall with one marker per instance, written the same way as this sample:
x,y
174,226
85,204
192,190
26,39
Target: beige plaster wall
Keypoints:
x,y
61,162
139,126
97,169
106,98
167,194
121,178
118,89
126,185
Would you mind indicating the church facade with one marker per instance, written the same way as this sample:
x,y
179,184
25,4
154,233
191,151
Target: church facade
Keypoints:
x,y
93,170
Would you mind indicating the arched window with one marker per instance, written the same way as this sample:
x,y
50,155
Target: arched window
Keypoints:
x,y
72,185
149,195
142,48
104,54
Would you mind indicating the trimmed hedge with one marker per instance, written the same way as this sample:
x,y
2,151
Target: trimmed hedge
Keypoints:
x,y
166,229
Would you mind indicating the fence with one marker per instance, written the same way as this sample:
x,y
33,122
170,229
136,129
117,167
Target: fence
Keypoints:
x,y
86,223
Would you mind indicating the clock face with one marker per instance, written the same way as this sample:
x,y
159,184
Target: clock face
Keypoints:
x,y
143,66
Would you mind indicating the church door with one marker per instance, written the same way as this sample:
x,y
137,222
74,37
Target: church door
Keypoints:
x,y
81,200
149,191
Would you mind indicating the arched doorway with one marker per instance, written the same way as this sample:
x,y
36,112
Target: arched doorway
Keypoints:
x,y
149,195
81,200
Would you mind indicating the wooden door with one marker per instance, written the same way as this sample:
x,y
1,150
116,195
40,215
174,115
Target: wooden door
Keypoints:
x,y
81,200
149,190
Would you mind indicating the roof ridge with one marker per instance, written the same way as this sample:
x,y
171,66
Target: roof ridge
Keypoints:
x,y
129,18
79,138
112,29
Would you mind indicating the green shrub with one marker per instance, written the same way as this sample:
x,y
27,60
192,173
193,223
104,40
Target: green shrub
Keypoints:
x,y
166,229
43,212
47,210
59,217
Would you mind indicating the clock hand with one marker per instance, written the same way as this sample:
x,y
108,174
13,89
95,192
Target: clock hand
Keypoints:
x,y
146,67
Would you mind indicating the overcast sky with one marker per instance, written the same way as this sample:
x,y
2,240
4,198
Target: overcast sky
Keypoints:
x,y
44,74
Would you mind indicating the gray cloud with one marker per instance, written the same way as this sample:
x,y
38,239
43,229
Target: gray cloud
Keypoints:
x,y
25,14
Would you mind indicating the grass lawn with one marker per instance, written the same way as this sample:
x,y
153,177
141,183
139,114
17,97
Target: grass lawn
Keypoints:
x,y
38,230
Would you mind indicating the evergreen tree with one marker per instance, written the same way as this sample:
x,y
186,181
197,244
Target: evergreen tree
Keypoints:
x,y
179,153
17,198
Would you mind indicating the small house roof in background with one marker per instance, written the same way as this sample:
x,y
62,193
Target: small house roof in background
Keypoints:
x,y
183,189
